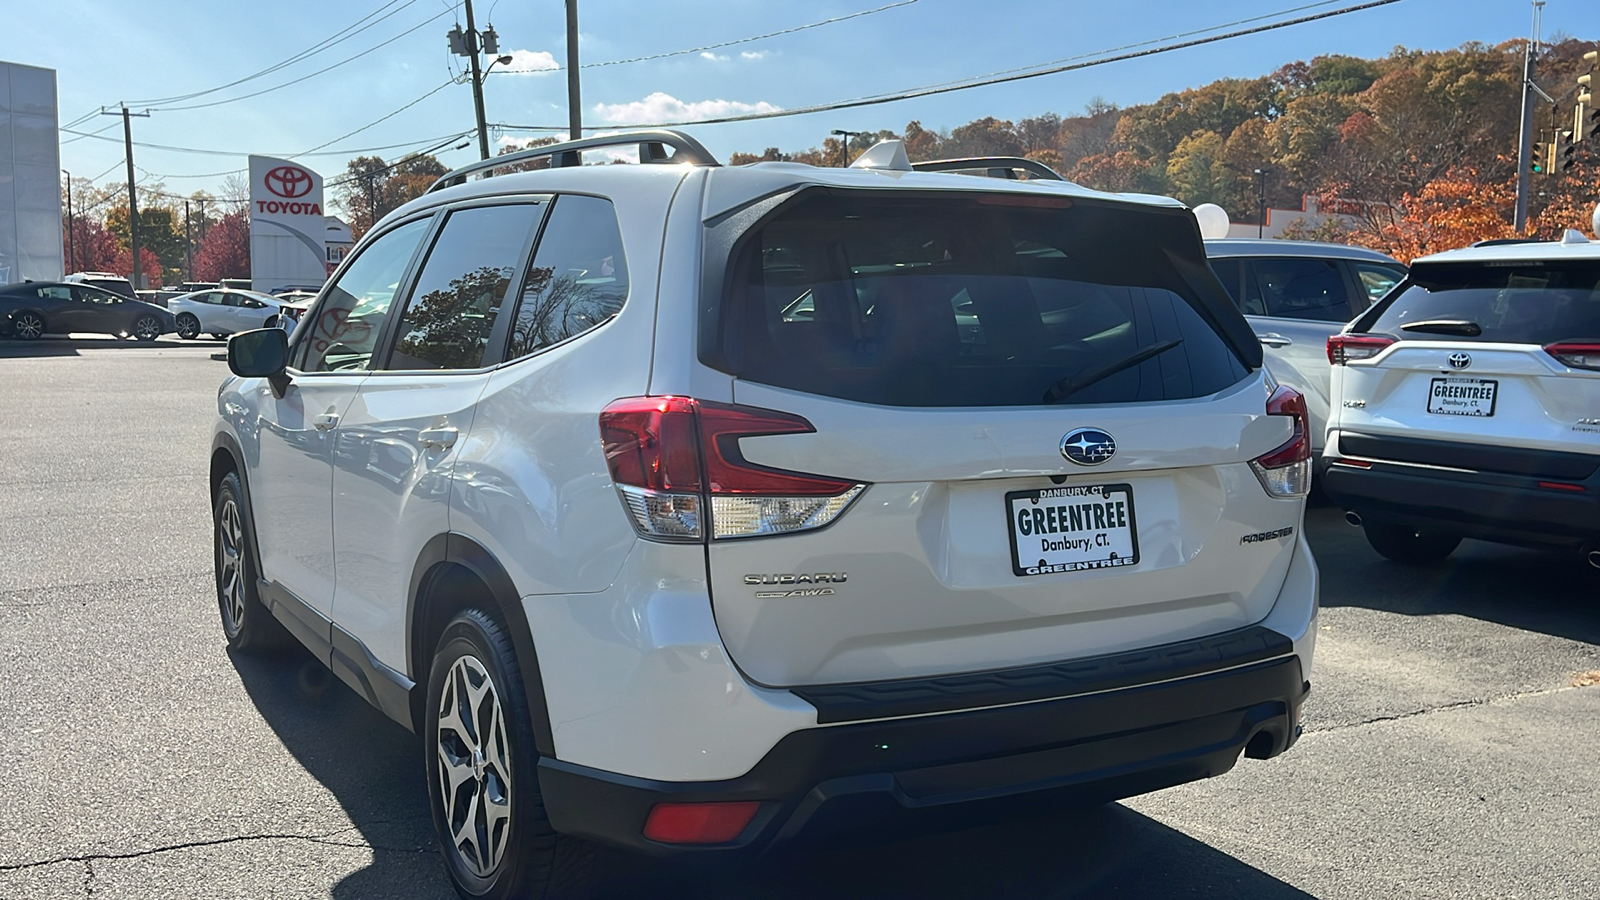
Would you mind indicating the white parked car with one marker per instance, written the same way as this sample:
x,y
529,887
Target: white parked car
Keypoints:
x,y
1467,403
222,312
698,509
1297,294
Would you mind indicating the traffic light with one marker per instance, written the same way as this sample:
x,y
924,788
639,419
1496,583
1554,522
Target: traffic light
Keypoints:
x,y
1541,158
1586,119
1563,153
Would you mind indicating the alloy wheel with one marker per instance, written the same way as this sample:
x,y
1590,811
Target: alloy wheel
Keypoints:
x,y
473,765
188,327
230,577
28,326
147,328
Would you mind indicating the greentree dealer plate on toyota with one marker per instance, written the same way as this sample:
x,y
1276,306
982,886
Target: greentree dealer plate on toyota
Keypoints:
x,y
1068,529
1462,396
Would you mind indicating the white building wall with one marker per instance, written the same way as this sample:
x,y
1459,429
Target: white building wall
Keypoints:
x,y
30,175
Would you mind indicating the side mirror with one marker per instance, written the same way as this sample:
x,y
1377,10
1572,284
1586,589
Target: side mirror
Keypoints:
x,y
262,353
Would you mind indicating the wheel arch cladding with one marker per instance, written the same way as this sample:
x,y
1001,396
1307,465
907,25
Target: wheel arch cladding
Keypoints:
x,y
454,573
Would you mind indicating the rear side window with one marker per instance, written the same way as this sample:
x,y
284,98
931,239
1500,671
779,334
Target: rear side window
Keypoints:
x,y
578,279
1519,303
1286,287
967,300
1377,279
458,294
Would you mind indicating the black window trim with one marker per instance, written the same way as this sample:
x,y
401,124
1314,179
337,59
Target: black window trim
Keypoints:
x,y
494,352
505,345
301,340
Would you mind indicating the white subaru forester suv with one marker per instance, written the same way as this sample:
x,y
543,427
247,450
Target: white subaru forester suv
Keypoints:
x,y
690,508
1467,403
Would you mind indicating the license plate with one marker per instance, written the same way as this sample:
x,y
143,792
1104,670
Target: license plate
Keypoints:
x,y
1463,396
1069,529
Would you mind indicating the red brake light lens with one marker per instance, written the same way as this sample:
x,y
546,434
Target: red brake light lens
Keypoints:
x,y
699,823
674,459
1343,348
1286,471
1576,354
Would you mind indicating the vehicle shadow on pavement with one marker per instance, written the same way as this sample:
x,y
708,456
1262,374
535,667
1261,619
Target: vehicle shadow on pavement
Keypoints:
x,y
369,763
372,766
1549,592
11,348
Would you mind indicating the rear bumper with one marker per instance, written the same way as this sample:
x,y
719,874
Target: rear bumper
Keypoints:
x,y
940,770
1508,508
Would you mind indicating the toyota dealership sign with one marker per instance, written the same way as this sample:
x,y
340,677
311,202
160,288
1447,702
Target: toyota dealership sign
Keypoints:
x,y
287,225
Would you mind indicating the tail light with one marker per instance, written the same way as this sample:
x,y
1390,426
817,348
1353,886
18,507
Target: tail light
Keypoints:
x,y
1343,348
699,823
1576,354
1286,471
675,460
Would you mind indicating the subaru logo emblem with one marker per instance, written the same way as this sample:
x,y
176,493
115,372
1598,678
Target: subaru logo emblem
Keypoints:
x,y
1460,360
1088,446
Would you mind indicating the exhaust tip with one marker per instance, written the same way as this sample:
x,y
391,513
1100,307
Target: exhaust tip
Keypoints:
x,y
1355,519
1594,558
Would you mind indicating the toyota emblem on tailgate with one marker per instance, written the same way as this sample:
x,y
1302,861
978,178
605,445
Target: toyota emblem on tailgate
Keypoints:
x,y
1088,446
1460,360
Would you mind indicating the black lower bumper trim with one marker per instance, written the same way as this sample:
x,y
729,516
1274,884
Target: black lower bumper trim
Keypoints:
x,y
905,773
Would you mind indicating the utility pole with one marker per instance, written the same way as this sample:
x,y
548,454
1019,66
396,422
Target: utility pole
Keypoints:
x,y
477,84
574,105
72,256
1261,204
1519,219
188,246
133,200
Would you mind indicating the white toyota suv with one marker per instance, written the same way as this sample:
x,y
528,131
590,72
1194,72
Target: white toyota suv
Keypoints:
x,y
1467,403
697,508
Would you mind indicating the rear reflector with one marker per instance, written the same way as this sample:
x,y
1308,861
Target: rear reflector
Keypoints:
x,y
676,459
1352,463
699,823
1576,354
1286,471
1562,486
1344,348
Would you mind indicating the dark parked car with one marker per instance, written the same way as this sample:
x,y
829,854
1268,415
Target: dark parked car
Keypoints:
x,y
35,308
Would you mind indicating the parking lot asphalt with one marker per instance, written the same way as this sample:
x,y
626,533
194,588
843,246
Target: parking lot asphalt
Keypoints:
x,y
1447,751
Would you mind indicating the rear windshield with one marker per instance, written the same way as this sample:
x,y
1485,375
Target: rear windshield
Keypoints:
x,y
962,301
1518,303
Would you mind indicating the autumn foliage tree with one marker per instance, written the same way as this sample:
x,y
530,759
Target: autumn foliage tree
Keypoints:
x,y
225,251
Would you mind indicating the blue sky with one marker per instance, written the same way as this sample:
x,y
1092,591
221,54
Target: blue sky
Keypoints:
x,y
185,46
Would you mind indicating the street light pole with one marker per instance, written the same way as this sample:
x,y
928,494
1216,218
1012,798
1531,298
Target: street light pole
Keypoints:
x,y
72,256
844,137
1261,203
574,105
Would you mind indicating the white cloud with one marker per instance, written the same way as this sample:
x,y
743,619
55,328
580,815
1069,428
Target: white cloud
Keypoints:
x,y
753,54
662,107
713,57
530,62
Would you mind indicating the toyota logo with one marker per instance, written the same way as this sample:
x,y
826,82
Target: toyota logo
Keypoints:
x,y
1460,360
1088,446
288,182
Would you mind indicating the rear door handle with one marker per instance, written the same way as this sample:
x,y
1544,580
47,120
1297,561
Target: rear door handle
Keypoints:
x,y
437,438
326,421
1273,339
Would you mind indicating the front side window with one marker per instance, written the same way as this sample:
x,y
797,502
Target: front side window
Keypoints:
x,y
962,301
90,295
1510,302
1298,288
457,298
354,309
578,278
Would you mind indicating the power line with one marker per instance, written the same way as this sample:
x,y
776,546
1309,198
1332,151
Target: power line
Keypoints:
x,y
92,134
977,82
376,121
709,47
277,87
337,37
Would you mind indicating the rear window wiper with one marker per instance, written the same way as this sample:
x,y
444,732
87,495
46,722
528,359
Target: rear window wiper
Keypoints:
x,y
1460,327
1075,383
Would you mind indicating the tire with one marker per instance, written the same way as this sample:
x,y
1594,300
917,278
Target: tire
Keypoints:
x,y
27,326
188,326
510,849
218,336
147,328
1404,544
272,322
246,623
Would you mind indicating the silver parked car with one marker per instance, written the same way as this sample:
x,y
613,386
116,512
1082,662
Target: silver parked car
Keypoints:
x,y
1297,294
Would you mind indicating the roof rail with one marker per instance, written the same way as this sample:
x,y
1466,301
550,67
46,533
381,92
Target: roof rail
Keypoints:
x,y
993,166
1501,242
652,146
